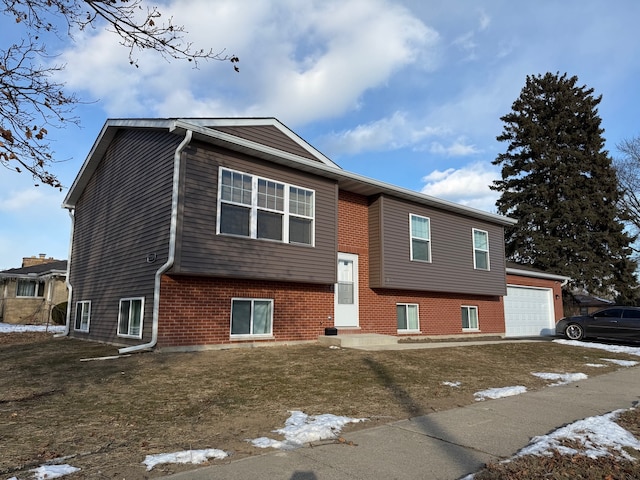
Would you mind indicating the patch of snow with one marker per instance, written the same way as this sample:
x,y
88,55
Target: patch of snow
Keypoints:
x,y
53,471
562,378
602,346
599,436
622,363
595,365
301,428
10,328
499,392
452,384
186,456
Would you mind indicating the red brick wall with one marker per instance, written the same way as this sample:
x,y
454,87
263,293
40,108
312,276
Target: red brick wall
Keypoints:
x,y
197,310
539,282
440,314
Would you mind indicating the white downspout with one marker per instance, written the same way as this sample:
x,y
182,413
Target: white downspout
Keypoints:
x,y
172,248
67,281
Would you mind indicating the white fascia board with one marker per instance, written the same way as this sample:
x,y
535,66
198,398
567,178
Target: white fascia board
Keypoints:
x,y
542,275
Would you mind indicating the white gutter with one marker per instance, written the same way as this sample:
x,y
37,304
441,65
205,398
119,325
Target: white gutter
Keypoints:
x,y
543,275
67,281
172,248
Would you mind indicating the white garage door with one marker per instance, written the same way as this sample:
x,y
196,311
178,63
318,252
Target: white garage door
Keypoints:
x,y
528,312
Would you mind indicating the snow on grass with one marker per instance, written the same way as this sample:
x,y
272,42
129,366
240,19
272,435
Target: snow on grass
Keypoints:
x,y
452,384
301,428
595,437
186,456
602,346
599,436
562,378
53,471
493,393
622,363
10,328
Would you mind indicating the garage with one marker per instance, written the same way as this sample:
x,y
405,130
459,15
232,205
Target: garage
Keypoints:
x,y
528,311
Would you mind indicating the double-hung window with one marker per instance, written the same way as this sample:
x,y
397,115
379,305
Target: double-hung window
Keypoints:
x,y
30,288
420,238
130,317
407,317
480,250
83,316
260,208
251,317
469,318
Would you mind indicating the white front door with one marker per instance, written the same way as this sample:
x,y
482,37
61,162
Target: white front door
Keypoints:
x,y
346,291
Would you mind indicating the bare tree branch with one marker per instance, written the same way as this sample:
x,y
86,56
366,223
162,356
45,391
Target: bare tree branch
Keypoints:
x,y
32,103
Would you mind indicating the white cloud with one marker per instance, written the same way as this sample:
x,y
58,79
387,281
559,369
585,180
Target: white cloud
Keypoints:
x,y
15,202
391,133
468,185
299,61
457,149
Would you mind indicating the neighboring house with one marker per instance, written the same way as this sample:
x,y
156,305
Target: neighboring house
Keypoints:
x,y
198,232
582,304
29,293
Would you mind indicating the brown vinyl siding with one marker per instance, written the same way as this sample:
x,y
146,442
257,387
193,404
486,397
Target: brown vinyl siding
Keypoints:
x,y
121,218
451,268
202,252
270,136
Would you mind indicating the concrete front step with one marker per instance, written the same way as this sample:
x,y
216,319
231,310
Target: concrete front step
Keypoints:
x,y
357,340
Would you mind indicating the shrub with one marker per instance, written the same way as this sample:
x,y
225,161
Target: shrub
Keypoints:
x,y
59,314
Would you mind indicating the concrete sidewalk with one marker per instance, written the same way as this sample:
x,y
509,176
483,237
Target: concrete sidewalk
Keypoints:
x,y
444,445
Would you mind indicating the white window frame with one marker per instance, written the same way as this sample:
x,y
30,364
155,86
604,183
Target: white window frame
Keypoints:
x,y
35,282
83,307
477,249
128,333
469,309
420,239
250,335
406,307
254,208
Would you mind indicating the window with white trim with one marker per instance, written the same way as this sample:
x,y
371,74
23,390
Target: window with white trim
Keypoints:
x,y
260,208
420,228
251,317
408,319
83,316
480,249
469,318
130,317
29,288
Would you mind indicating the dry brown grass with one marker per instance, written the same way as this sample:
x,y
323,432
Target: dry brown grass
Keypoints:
x,y
108,415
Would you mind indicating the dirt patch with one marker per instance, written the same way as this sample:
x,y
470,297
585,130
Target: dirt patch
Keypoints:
x,y
107,415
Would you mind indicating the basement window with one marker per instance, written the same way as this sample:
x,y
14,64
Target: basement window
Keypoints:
x,y
251,317
83,316
470,318
130,317
408,319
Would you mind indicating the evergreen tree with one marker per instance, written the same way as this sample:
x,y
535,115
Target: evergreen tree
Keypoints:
x,y
559,184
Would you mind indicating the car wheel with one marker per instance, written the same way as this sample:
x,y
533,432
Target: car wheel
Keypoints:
x,y
574,332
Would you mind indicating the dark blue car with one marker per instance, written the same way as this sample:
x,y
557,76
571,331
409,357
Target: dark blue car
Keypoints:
x,y
620,323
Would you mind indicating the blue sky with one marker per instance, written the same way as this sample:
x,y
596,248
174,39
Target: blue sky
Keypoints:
x,y
405,91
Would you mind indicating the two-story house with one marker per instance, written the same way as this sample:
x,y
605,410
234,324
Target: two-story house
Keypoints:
x,y
201,232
